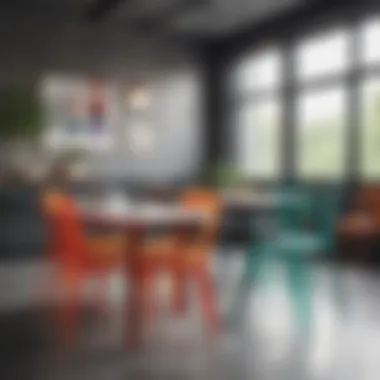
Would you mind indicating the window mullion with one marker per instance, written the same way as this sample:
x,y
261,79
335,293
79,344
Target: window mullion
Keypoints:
x,y
353,109
288,132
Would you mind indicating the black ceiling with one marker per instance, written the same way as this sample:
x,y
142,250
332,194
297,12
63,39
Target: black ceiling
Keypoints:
x,y
207,18
99,9
228,21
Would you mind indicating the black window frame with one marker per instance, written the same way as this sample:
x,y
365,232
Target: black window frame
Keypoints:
x,y
286,38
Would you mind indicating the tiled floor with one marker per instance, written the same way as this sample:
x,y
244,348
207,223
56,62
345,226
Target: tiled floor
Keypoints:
x,y
343,342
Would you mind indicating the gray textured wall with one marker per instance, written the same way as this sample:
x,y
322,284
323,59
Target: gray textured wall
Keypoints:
x,y
32,49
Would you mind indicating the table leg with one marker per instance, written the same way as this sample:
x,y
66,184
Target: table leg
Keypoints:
x,y
135,298
207,300
179,303
178,275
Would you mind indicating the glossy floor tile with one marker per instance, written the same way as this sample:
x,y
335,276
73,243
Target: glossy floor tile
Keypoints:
x,y
343,341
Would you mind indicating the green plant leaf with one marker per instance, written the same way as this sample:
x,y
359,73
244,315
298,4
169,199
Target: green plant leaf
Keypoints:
x,y
21,113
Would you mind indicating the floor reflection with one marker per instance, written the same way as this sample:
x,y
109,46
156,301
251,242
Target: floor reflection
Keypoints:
x,y
343,341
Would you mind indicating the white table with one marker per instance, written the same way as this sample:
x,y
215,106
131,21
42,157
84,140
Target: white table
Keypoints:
x,y
247,199
135,222
148,215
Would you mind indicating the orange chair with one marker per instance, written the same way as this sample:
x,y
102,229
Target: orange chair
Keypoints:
x,y
364,218
75,257
360,226
191,260
195,261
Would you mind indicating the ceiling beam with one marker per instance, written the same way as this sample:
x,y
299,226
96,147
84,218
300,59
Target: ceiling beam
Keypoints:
x,y
164,15
100,9
19,9
308,15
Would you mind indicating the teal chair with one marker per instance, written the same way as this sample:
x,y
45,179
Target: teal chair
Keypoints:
x,y
303,226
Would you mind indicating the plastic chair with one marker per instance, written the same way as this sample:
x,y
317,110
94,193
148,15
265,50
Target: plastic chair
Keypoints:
x,y
195,261
189,259
76,257
359,226
304,227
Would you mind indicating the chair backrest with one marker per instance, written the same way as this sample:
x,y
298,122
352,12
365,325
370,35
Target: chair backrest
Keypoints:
x,y
65,234
368,200
327,209
301,209
206,201
294,207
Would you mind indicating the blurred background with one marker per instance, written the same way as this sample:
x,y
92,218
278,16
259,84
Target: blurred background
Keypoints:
x,y
266,112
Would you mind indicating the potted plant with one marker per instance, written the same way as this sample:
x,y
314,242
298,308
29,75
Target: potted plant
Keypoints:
x,y
75,160
224,176
21,124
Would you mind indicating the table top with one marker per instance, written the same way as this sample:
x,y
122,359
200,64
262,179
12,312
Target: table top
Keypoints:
x,y
143,214
118,209
248,199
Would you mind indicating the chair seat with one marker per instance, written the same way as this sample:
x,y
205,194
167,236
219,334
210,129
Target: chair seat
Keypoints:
x,y
165,249
105,250
295,243
197,255
162,245
359,224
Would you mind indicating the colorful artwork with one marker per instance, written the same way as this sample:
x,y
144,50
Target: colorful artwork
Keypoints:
x,y
97,105
81,112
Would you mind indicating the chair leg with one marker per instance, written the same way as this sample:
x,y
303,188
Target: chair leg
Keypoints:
x,y
254,266
47,287
178,280
300,287
341,296
102,296
69,308
135,307
207,299
147,295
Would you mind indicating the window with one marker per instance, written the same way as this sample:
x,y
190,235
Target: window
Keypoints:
x,y
370,131
259,143
370,37
321,119
369,157
320,87
260,71
320,107
322,55
259,115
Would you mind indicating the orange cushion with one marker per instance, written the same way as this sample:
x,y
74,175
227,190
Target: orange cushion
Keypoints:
x,y
52,200
358,224
106,249
160,245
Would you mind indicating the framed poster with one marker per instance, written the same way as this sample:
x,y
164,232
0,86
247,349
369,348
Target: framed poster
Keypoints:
x,y
81,112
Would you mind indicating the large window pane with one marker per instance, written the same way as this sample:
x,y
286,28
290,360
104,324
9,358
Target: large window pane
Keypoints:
x,y
261,71
370,129
370,35
321,120
259,139
322,55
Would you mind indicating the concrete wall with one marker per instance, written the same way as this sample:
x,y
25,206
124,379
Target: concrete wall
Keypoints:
x,y
31,49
